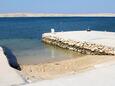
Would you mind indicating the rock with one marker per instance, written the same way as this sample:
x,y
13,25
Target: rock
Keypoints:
x,y
79,46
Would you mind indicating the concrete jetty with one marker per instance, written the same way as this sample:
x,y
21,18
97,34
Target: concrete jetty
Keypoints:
x,y
86,42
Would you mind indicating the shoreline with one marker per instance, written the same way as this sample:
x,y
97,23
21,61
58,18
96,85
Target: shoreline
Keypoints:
x,y
99,47
57,15
93,43
56,69
102,73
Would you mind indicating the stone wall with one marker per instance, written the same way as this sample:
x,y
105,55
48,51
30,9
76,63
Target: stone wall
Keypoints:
x,y
79,46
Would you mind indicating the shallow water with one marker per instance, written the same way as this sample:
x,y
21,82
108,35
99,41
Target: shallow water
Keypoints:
x,y
27,51
23,35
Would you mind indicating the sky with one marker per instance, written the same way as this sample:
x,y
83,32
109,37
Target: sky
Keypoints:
x,y
57,6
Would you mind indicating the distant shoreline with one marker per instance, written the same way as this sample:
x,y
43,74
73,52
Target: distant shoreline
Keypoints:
x,y
55,15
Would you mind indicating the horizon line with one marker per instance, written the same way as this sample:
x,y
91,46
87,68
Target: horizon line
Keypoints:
x,y
30,14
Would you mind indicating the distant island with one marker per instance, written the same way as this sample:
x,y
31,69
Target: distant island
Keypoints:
x,y
56,15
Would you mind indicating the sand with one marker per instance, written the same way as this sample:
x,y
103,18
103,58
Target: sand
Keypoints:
x,y
64,67
101,76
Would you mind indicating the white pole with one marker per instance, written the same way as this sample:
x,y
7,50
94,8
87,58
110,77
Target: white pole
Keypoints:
x,y
52,30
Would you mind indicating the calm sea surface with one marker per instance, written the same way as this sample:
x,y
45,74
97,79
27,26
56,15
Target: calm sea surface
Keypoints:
x,y
23,35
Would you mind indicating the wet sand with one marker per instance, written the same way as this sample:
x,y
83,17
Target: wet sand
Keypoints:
x,y
69,66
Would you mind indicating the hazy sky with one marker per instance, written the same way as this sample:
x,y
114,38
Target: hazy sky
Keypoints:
x,y
58,6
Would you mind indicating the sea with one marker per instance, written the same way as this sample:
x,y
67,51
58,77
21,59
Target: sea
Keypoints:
x,y
23,35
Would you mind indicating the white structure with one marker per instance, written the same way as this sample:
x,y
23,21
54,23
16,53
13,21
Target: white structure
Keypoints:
x,y
52,30
97,37
94,42
8,75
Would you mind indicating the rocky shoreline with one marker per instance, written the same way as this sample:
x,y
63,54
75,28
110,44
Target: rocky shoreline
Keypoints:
x,y
79,46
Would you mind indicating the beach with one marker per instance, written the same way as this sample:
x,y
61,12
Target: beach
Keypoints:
x,y
75,69
52,57
102,75
51,70
60,73
57,43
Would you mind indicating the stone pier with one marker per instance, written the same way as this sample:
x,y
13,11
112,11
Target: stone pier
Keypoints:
x,y
91,43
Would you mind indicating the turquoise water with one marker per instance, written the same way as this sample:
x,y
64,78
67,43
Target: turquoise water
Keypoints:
x,y
23,35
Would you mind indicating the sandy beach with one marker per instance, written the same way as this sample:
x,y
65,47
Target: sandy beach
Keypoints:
x,y
102,75
55,72
55,69
78,64
57,43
